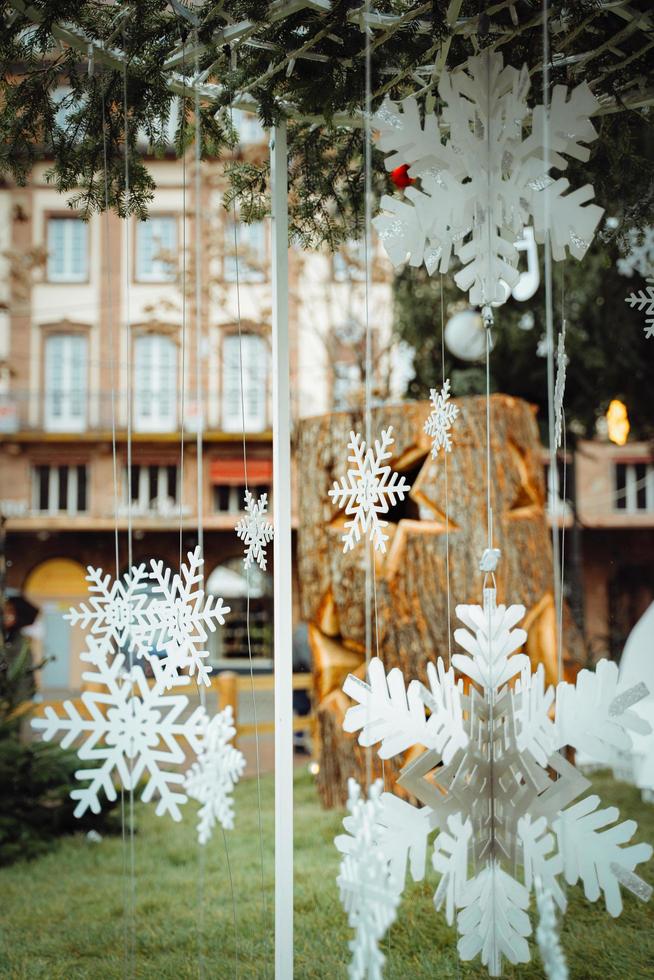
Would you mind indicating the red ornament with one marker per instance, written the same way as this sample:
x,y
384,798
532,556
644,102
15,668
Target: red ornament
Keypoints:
x,y
400,176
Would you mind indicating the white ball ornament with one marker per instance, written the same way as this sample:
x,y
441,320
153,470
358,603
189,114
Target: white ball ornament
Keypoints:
x,y
465,335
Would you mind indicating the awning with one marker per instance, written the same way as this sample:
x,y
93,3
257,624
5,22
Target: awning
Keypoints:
x,y
230,472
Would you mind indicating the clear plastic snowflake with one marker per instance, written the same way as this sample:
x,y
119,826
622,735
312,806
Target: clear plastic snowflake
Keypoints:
x,y
131,729
559,388
547,935
117,613
479,187
212,777
182,615
368,490
640,257
254,530
439,423
495,783
644,300
369,893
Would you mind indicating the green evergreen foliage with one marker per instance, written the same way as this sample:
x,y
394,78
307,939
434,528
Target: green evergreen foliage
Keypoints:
x,y
35,777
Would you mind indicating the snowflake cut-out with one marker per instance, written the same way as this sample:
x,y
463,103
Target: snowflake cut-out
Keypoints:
x,y
368,490
640,257
440,421
254,530
644,300
488,781
117,613
130,728
478,188
368,891
559,388
212,777
547,935
183,615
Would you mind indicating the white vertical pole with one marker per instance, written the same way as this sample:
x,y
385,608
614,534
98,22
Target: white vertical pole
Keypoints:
x,y
282,587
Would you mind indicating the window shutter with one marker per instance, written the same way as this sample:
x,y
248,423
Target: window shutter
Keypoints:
x,y
231,384
155,384
65,383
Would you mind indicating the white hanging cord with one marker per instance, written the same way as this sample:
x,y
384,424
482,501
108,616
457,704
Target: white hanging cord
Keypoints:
x,y
564,490
447,500
128,341
264,909
370,570
182,400
549,334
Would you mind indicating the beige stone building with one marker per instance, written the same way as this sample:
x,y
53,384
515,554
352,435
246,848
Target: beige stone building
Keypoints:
x,y
105,379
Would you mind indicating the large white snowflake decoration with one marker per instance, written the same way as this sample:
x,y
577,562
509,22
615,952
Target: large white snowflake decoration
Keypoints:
x,y
254,530
439,423
212,777
640,257
559,388
131,728
183,615
368,490
368,890
547,935
483,183
117,612
488,786
644,300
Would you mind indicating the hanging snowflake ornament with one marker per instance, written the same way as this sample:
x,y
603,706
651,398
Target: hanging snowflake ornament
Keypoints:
x,y
212,777
478,187
495,784
130,729
547,935
183,615
439,423
559,388
254,530
644,300
369,893
117,612
368,490
640,254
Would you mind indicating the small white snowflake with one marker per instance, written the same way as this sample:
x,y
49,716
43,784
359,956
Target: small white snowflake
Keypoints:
x,y
640,257
644,300
559,388
254,530
130,728
212,777
117,613
547,936
368,490
440,421
182,614
369,893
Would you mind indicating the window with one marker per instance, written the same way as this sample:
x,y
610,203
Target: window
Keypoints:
x,y
65,392
349,263
255,356
248,127
156,249
59,489
155,383
153,489
67,250
634,487
252,259
230,498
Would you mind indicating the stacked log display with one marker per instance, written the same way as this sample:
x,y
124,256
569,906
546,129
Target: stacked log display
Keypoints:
x,y
410,590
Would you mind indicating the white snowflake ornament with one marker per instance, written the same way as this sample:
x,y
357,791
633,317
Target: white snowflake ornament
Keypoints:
x,y
495,784
117,613
480,186
183,615
644,300
131,729
640,256
368,490
547,936
212,777
254,530
369,892
440,421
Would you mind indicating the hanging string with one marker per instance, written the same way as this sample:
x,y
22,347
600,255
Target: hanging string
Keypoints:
x,y
182,400
447,501
128,337
264,909
114,461
564,494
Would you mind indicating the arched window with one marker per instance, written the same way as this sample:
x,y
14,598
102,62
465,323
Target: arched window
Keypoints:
x,y
65,368
155,383
255,361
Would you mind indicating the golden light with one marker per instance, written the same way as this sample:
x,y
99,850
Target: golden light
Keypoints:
x,y
618,422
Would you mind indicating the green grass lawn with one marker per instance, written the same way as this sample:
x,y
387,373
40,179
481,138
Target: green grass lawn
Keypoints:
x,y
63,914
